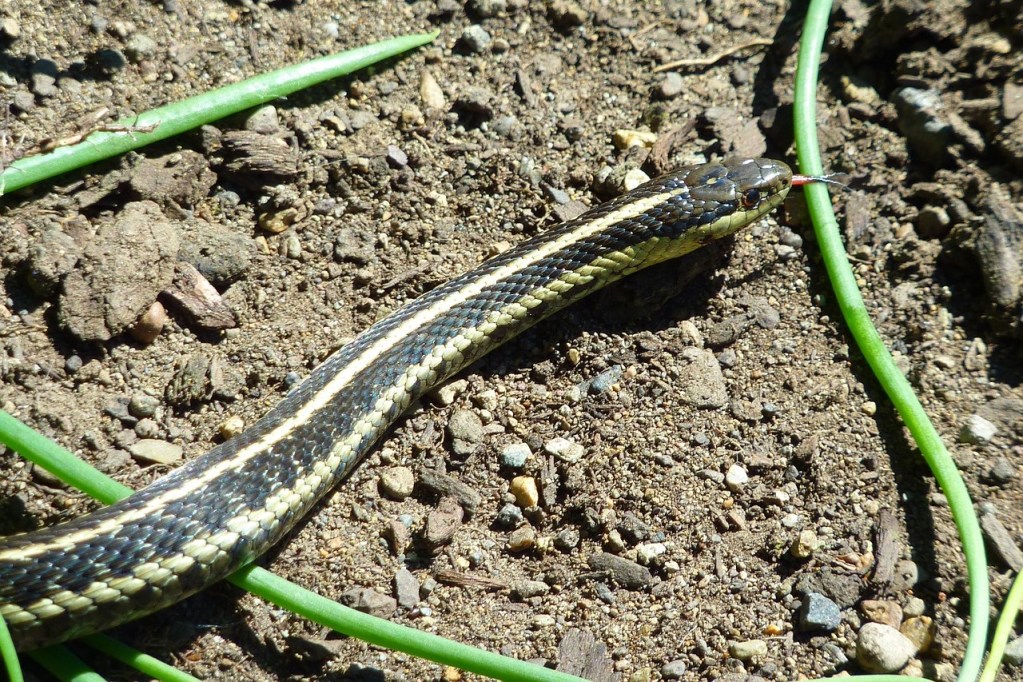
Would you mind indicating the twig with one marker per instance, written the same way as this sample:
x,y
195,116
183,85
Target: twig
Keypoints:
x,y
708,61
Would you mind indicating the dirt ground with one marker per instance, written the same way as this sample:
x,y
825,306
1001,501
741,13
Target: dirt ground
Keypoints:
x,y
728,448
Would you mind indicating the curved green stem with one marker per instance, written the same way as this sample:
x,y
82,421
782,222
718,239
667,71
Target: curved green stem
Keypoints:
x,y
869,341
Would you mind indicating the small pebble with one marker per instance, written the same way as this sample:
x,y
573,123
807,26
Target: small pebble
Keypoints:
x,y
869,408
712,475
526,589
525,491
449,392
73,364
671,85
397,482
882,649
882,611
406,588
522,539
396,158
466,430
564,450
293,247
510,516
977,430
154,451
674,670
606,380
736,478
625,139
1002,471
150,324
10,28
147,428
431,93
475,39
264,120
1014,652
566,540
515,455
625,572
920,631
143,405
819,614
915,606
805,544
748,650
231,427
648,552
140,47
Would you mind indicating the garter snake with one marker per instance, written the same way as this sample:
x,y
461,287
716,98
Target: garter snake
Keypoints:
x,y
222,510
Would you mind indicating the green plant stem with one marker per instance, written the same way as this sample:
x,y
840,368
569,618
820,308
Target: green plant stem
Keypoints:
x,y
144,663
174,119
869,341
275,589
64,665
8,655
1003,629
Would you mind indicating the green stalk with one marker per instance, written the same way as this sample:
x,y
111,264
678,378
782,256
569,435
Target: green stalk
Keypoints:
x,y
869,341
1003,629
174,119
144,663
275,589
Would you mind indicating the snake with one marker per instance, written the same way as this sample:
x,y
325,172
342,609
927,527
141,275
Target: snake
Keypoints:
x,y
223,509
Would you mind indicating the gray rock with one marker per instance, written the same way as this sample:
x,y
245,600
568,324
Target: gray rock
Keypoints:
x,y
566,540
514,455
475,39
466,431
143,405
674,670
626,573
671,85
360,118
818,613
396,158
406,588
977,430
603,382
369,601
748,650
140,47
1002,471
508,126
1000,541
526,589
1014,652
736,478
998,248
927,131
509,516
397,482
154,451
882,649
44,78
264,120
701,380
564,450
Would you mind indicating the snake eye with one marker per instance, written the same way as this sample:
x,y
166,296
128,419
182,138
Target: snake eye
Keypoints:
x,y
750,197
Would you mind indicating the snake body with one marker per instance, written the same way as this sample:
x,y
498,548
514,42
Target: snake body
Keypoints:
x,y
223,509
